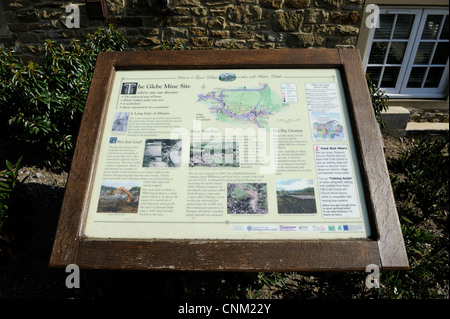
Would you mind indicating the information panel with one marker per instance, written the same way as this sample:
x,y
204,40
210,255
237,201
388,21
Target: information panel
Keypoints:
x,y
229,160
227,154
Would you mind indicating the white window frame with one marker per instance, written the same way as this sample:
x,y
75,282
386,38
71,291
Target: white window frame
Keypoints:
x,y
400,90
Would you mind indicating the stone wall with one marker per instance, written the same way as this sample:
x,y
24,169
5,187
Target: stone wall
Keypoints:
x,y
198,24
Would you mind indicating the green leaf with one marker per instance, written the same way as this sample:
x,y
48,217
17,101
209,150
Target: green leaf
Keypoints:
x,y
4,185
9,165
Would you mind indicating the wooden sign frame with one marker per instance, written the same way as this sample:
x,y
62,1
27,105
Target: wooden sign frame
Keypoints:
x,y
385,247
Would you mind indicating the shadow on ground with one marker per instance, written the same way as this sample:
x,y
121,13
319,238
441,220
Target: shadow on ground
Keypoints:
x,y
26,273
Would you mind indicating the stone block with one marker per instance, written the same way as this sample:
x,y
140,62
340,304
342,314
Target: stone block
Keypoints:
x,y
156,21
305,40
287,20
18,27
31,15
242,34
229,44
126,21
426,128
180,11
272,4
16,4
218,2
316,16
149,41
202,41
324,29
307,28
232,26
193,3
47,25
214,23
184,21
29,37
223,34
135,32
137,7
257,45
35,49
47,14
351,6
329,4
54,4
218,12
346,30
263,25
297,4
199,11
198,32
171,34
147,32
359,2
340,42
7,42
115,7
395,120
242,13
352,17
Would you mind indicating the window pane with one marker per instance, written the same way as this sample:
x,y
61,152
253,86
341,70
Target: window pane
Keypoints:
x,y
403,26
444,32
434,77
374,73
390,77
441,53
424,53
396,52
384,31
378,52
431,27
416,77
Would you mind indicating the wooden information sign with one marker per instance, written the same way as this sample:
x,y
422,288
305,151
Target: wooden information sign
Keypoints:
x,y
237,160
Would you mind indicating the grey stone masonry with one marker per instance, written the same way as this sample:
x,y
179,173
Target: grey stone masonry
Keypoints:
x,y
198,24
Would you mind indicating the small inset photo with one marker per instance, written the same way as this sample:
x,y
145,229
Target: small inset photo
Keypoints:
x,y
327,126
120,122
119,197
214,154
129,88
162,153
296,196
247,198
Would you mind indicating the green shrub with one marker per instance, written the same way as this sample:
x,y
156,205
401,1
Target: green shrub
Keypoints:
x,y
44,103
379,99
10,186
